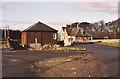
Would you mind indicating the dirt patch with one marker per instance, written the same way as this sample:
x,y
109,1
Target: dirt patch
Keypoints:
x,y
85,65
51,64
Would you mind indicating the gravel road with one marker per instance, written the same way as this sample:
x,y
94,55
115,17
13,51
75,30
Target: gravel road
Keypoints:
x,y
107,54
19,63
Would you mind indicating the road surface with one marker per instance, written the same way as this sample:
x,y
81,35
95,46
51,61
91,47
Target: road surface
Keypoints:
x,y
107,54
16,63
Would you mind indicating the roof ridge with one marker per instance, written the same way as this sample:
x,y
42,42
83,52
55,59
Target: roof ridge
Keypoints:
x,y
31,26
47,25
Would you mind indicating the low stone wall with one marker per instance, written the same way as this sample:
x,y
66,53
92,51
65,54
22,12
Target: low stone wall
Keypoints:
x,y
106,40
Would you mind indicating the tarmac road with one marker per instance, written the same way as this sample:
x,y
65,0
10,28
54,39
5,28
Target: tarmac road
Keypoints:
x,y
107,54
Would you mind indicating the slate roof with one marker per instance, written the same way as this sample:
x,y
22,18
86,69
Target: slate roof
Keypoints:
x,y
68,30
40,27
74,31
83,35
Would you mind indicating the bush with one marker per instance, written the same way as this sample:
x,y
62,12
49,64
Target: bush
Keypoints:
x,y
99,41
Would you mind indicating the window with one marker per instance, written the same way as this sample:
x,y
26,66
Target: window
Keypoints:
x,y
55,36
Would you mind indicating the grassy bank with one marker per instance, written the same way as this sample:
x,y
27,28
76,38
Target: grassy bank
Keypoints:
x,y
115,44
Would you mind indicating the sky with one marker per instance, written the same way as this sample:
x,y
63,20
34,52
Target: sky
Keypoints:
x,y
22,14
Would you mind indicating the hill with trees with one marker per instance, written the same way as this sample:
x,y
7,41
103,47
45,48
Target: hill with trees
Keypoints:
x,y
100,29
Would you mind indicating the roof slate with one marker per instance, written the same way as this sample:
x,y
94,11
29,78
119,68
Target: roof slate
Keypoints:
x,y
75,31
40,27
68,30
79,34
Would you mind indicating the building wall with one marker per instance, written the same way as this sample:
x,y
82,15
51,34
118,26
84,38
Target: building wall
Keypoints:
x,y
63,35
24,38
48,38
69,40
82,39
32,36
41,38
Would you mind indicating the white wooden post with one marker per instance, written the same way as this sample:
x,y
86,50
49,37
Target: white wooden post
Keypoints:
x,y
91,38
8,32
35,42
5,32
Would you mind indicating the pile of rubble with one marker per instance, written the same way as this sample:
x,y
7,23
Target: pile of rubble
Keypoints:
x,y
45,47
56,47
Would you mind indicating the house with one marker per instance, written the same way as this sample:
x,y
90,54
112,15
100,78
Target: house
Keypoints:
x,y
72,34
38,35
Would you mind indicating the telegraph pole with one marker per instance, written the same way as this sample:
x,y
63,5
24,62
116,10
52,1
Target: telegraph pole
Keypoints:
x,y
6,34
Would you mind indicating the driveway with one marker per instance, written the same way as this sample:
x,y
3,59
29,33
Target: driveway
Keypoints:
x,y
107,54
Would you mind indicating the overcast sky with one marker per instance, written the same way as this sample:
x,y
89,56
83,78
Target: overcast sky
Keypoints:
x,y
20,15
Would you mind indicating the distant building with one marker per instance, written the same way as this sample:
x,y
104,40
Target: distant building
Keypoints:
x,y
39,34
72,34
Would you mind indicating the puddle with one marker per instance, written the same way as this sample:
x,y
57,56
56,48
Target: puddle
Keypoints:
x,y
14,60
12,51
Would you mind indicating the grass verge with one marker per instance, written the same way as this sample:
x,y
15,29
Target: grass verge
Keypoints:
x,y
115,44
